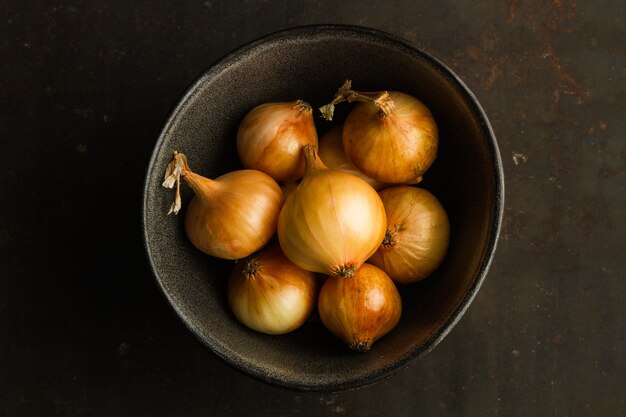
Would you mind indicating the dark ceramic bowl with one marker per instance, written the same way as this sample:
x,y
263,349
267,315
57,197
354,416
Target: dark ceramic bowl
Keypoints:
x,y
310,63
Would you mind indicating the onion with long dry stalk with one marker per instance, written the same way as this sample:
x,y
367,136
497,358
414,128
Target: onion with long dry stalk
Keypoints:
x,y
390,136
231,216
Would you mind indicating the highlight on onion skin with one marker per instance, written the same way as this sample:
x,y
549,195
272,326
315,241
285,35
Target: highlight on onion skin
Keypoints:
x,y
332,154
417,236
332,222
271,136
390,136
229,217
361,309
270,294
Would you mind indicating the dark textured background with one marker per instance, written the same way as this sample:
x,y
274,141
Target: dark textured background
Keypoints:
x,y
86,88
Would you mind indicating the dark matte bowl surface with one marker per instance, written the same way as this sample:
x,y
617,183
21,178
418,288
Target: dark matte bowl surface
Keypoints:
x,y
310,63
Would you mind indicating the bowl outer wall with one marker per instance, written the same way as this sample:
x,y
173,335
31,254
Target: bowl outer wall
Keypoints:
x,y
310,63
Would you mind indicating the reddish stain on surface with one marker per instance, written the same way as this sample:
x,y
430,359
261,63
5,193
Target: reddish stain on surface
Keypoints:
x,y
511,9
494,63
569,85
607,171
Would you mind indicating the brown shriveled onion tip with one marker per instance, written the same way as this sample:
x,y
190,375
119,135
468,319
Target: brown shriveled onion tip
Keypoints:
x,y
312,161
382,99
175,169
346,271
302,105
391,238
328,110
250,268
362,346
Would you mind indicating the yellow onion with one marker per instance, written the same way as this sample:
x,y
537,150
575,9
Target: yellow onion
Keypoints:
x,y
270,294
271,136
332,222
231,216
361,309
417,237
332,154
389,136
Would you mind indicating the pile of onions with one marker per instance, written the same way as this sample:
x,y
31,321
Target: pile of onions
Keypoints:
x,y
346,214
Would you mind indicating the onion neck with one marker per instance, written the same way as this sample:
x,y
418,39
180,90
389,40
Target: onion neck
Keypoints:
x,y
312,161
201,186
381,99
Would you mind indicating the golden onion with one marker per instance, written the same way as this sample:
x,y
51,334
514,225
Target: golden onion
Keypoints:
x,y
417,237
332,222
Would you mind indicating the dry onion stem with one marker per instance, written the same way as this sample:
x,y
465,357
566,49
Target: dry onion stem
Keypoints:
x,y
175,169
345,93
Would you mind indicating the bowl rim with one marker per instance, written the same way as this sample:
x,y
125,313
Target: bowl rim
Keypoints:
x,y
496,216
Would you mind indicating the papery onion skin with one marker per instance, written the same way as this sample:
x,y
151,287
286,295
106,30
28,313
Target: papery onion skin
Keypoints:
x,y
271,136
333,222
332,154
270,294
417,237
361,309
394,145
234,215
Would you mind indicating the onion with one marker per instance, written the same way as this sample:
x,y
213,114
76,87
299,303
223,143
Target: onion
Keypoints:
x,y
389,136
361,309
231,216
332,222
271,136
332,154
417,237
270,294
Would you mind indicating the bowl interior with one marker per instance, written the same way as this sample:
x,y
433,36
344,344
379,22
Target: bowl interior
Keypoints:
x,y
311,63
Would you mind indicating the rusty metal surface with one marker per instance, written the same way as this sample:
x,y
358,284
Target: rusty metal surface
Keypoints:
x,y
86,88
